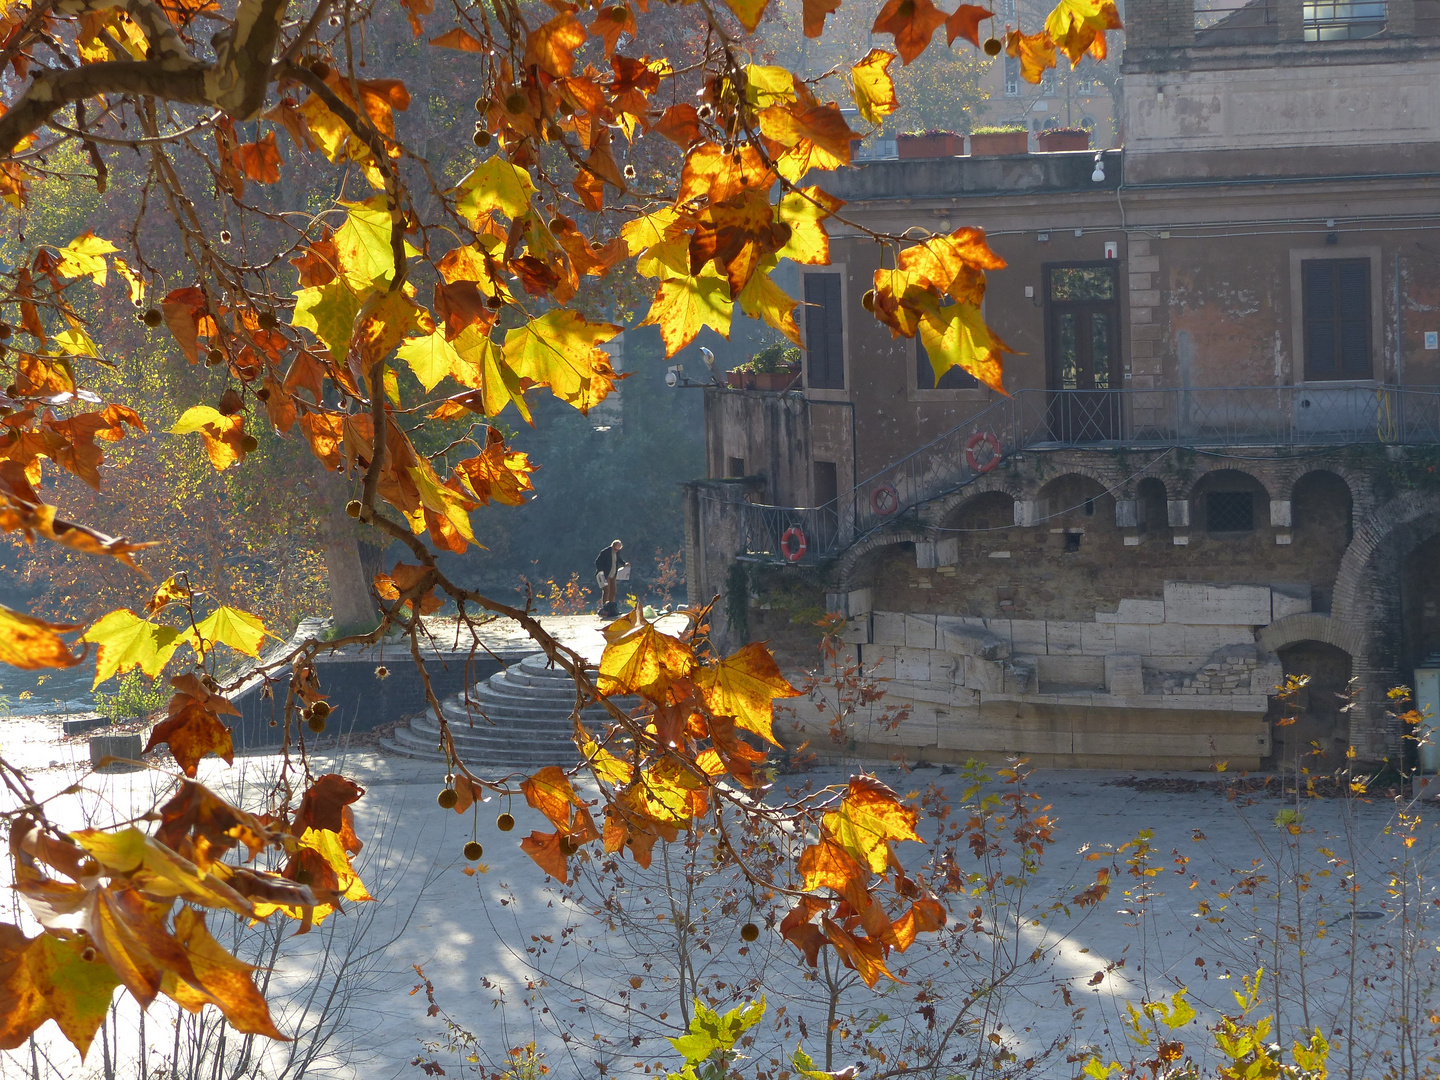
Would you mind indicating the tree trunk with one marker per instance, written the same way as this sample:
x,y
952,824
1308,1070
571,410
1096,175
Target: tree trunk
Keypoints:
x,y
351,604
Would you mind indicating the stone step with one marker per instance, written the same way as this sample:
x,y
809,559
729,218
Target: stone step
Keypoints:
x,y
490,763
484,752
502,690
504,731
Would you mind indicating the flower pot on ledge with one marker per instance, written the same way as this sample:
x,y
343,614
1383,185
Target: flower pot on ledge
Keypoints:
x,y
736,379
999,143
1050,142
773,380
932,144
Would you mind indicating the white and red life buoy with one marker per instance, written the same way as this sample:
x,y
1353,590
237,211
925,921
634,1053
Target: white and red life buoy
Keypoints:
x,y
792,544
974,441
884,501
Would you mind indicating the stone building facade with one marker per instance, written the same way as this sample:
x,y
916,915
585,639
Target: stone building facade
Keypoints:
x,y
1217,457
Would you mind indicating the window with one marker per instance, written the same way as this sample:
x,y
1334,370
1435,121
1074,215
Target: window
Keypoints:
x,y
1012,77
735,466
1343,20
824,333
1229,511
957,378
1337,318
1047,83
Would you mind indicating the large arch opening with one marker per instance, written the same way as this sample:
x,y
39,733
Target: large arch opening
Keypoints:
x,y
1320,734
988,512
1420,604
1154,508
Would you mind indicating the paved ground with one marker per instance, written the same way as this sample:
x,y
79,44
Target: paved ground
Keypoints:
x,y
512,959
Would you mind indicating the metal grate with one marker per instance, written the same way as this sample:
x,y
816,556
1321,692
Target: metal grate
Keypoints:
x,y
1229,511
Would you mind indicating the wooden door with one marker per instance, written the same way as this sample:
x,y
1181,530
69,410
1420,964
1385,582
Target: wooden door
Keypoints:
x,y
1083,350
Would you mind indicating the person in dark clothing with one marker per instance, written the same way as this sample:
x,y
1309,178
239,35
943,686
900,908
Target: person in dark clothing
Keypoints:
x,y
607,576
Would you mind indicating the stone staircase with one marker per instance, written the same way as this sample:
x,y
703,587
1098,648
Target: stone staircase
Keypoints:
x,y
518,718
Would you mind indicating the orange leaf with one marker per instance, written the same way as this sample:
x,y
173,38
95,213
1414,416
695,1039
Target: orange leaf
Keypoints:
x,y
460,39
925,915
552,46
870,816
30,643
499,473
1036,53
183,310
912,23
544,848
192,733
549,791
261,161
639,659
324,803
814,12
610,22
965,22
680,124
860,954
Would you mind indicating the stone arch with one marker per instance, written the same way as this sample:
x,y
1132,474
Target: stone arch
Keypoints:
x,y
1367,598
1285,486
935,513
1200,478
1319,731
1111,480
850,561
1310,626
1227,479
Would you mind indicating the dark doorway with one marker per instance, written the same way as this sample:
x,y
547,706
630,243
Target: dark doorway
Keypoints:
x,y
1082,336
1318,738
1420,604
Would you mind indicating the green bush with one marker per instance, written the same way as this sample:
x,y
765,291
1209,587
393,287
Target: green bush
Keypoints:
x,y
135,697
998,129
778,357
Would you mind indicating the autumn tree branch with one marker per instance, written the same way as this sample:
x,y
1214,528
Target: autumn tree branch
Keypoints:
x,y
235,82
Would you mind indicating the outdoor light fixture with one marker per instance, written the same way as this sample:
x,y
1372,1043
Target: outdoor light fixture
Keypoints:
x,y
1042,237
672,376
1099,174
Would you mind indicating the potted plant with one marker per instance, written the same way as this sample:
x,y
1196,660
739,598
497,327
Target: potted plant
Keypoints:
x,y
1062,138
134,699
774,367
999,140
930,144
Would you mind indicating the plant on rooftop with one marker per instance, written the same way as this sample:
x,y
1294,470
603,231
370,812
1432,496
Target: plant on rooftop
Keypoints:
x,y
997,129
307,276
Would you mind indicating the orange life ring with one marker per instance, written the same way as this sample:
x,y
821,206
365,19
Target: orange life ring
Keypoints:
x,y
884,501
797,552
975,440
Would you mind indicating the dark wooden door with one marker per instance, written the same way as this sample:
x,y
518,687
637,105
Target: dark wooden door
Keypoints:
x,y
1083,349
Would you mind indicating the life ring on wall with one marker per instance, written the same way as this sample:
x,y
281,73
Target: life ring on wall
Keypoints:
x,y
974,441
796,552
884,501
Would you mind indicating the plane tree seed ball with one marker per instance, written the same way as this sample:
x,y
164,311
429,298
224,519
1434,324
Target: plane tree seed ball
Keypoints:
x,y
505,823
447,799
749,932
473,851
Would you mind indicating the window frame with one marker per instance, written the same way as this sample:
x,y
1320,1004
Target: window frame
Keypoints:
x,y
842,392
1231,493
1298,258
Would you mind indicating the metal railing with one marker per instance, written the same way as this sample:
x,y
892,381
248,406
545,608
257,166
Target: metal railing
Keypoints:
x,y
1338,415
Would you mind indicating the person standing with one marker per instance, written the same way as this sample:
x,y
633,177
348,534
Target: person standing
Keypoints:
x,y
607,575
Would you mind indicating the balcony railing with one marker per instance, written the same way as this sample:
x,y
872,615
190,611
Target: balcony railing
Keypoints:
x,y
1252,416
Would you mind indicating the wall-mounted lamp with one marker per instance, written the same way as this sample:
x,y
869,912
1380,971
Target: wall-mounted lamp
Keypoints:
x,y
1099,174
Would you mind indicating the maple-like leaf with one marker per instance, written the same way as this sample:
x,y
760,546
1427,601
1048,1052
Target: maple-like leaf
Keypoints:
x,y
261,161
965,23
50,978
220,979
460,39
227,625
494,184
763,299
605,765
869,817
749,12
550,792
874,88
85,257
1036,53
912,23
640,659
813,14
551,46
224,435
127,641
544,848
560,350
958,335
683,303
745,686
30,643
325,803
1079,26
805,211
193,732
498,473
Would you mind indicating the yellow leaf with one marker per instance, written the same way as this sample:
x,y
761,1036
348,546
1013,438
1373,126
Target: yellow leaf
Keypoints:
x,y
494,185
805,212
767,85
549,791
683,304
957,334
133,282
874,89
362,243
639,659
225,982
606,765
329,311
85,257
30,643
439,499
431,358
744,686
1079,26
647,230
127,641
222,434
763,299
228,626
76,342
559,350
482,368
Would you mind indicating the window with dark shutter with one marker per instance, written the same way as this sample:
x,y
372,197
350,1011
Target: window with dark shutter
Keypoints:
x,y
957,378
824,333
1337,318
